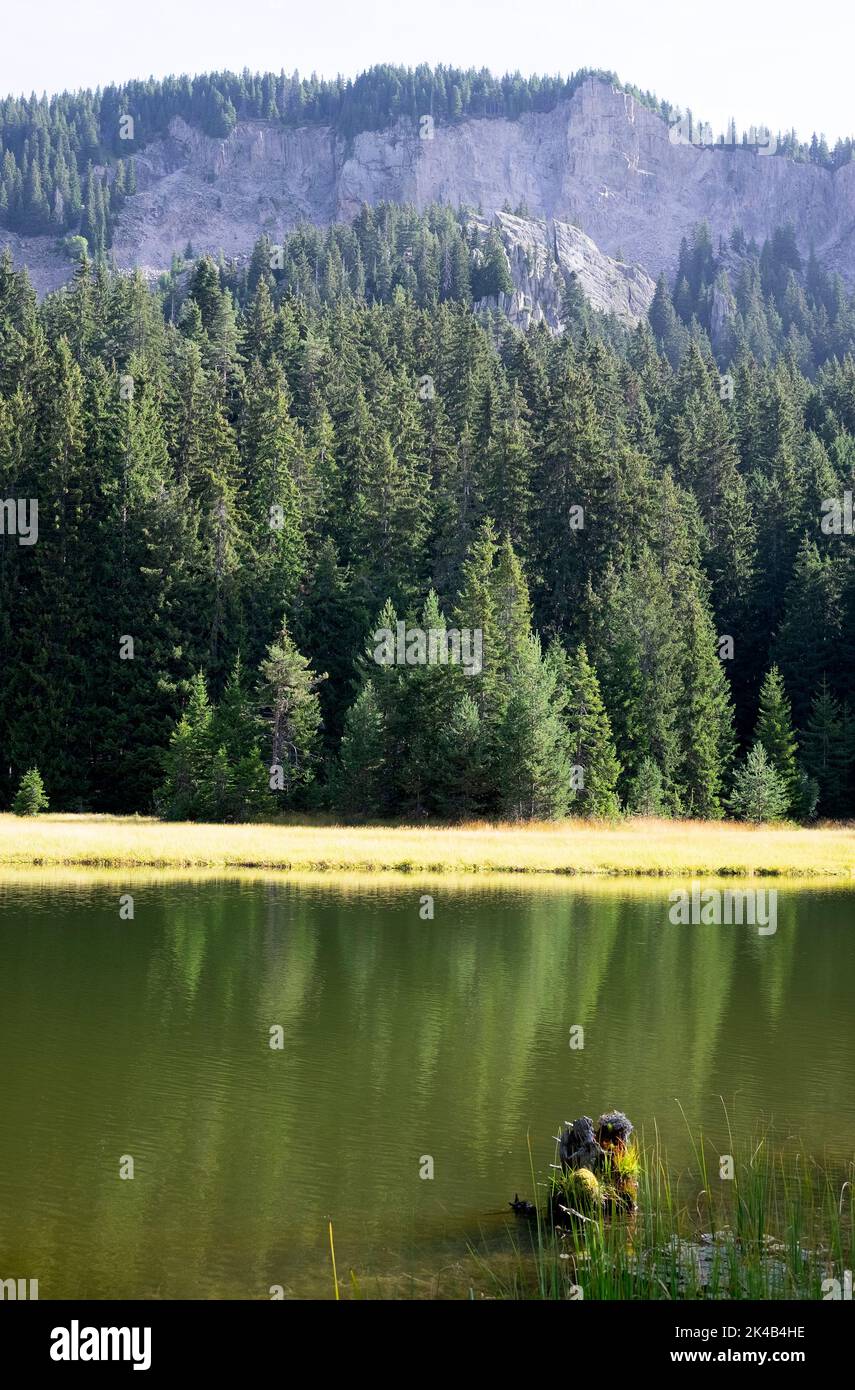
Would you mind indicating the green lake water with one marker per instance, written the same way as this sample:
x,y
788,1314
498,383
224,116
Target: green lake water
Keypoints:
x,y
403,1038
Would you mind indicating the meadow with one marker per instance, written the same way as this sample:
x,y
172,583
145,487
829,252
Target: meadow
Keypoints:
x,y
645,847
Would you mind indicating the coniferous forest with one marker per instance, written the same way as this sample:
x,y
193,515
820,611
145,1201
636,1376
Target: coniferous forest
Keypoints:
x,y
246,471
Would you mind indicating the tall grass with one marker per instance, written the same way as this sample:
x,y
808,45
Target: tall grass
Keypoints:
x,y
780,1227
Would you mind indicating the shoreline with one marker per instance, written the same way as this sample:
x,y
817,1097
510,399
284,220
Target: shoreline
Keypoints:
x,y
566,850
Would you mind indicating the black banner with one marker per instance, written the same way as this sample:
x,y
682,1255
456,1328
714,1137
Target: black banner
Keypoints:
x,y
600,1339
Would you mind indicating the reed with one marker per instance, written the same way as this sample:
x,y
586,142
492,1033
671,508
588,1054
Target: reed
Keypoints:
x,y
781,1228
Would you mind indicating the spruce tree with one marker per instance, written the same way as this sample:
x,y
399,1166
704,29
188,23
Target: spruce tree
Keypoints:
x,y
476,610
290,708
646,792
759,793
532,762
463,753
774,730
426,697
591,748
824,750
236,734
361,780
186,790
31,797
705,715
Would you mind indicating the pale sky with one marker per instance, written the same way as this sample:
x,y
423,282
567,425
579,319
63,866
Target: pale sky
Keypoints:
x,y
785,64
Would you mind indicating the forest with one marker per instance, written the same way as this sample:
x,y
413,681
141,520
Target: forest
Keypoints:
x,y
245,471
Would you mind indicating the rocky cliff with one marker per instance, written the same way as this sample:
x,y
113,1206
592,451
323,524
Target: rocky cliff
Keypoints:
x,y
599,164
543,255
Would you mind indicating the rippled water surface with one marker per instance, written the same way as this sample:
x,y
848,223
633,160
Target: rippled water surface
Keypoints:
x,y
402,1038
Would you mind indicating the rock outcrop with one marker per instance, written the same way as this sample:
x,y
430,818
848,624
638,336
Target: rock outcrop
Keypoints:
x,y
543,256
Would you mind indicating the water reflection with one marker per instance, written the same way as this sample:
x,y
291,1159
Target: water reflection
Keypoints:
x,y
402,1038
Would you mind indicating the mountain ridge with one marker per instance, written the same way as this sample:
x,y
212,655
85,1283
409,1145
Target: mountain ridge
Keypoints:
x,y
602,161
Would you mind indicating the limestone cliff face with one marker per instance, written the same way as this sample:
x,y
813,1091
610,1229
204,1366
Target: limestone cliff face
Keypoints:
x,y
599,163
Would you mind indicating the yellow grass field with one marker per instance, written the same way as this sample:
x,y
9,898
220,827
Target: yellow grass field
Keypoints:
x,y
634,847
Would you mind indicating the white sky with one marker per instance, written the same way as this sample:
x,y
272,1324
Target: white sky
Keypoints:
x,y
787,64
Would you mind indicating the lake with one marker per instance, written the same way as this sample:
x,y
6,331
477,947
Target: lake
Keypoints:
x,y
403,1039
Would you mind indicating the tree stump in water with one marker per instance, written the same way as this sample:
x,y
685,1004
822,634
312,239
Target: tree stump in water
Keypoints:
x,y
598,1169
